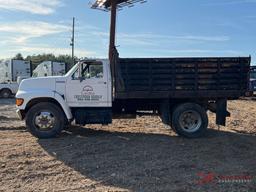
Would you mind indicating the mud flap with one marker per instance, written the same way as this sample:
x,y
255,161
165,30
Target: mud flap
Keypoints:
x,y
221,112
165,112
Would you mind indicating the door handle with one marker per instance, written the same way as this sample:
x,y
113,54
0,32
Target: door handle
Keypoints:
x,y
103,82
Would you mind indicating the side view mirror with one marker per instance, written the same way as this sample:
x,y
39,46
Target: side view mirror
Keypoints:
x,y
81,79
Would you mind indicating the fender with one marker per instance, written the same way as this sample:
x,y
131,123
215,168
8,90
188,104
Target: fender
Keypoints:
x,y
64,105
43,93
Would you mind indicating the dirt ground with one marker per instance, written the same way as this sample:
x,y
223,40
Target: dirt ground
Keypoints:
x,y
141,155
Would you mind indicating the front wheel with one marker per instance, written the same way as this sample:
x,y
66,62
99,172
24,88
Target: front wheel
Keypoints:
x,y
45,120
189,120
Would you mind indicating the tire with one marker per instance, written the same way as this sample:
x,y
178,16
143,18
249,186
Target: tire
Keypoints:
x,y
6,93
249,94
67,125
189,120
45,120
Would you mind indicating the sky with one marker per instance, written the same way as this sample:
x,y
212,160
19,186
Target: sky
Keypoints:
x,y
158,28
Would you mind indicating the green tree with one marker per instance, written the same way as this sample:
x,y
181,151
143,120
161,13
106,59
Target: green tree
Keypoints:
x,y
66,59
18,56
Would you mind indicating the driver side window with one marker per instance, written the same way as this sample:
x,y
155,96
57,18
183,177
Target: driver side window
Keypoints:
x,y
93,70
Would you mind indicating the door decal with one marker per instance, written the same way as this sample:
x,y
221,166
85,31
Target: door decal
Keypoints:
x,y
88,94
88,90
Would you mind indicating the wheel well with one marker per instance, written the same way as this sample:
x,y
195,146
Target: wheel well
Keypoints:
x,y
202,103
40,100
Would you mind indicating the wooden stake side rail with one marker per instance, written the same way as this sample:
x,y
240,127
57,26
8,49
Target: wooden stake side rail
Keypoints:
x,y
182,77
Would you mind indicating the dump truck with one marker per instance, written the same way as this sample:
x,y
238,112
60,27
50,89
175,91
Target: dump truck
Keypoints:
x,y
179,90
12,71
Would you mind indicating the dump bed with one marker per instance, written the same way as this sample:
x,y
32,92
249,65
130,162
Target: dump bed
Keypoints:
x,y
182,77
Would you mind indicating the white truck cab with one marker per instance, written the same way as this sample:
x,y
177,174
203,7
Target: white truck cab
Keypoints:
x,y
47,103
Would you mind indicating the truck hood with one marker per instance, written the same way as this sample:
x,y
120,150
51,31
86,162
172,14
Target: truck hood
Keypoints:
x,y
40,83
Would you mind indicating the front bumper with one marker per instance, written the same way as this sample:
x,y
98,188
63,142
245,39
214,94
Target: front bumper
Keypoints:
x,y
20,114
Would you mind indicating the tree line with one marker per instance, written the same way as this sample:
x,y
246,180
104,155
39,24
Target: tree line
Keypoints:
x,y
37,59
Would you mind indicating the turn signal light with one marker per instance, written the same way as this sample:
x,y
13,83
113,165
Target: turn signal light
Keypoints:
x,y
19,102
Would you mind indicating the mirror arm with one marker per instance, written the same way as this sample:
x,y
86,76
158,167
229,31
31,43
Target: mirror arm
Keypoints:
x,y
81,79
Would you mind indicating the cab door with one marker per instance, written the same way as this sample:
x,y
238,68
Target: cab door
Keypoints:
x,y
89,86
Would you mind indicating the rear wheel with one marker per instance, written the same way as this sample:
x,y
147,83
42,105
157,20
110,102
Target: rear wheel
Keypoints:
x,y
190,120
6,93
45,120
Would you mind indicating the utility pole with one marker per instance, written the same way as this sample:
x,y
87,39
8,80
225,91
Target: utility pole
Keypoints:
x,y
73,42
112,35
113,6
